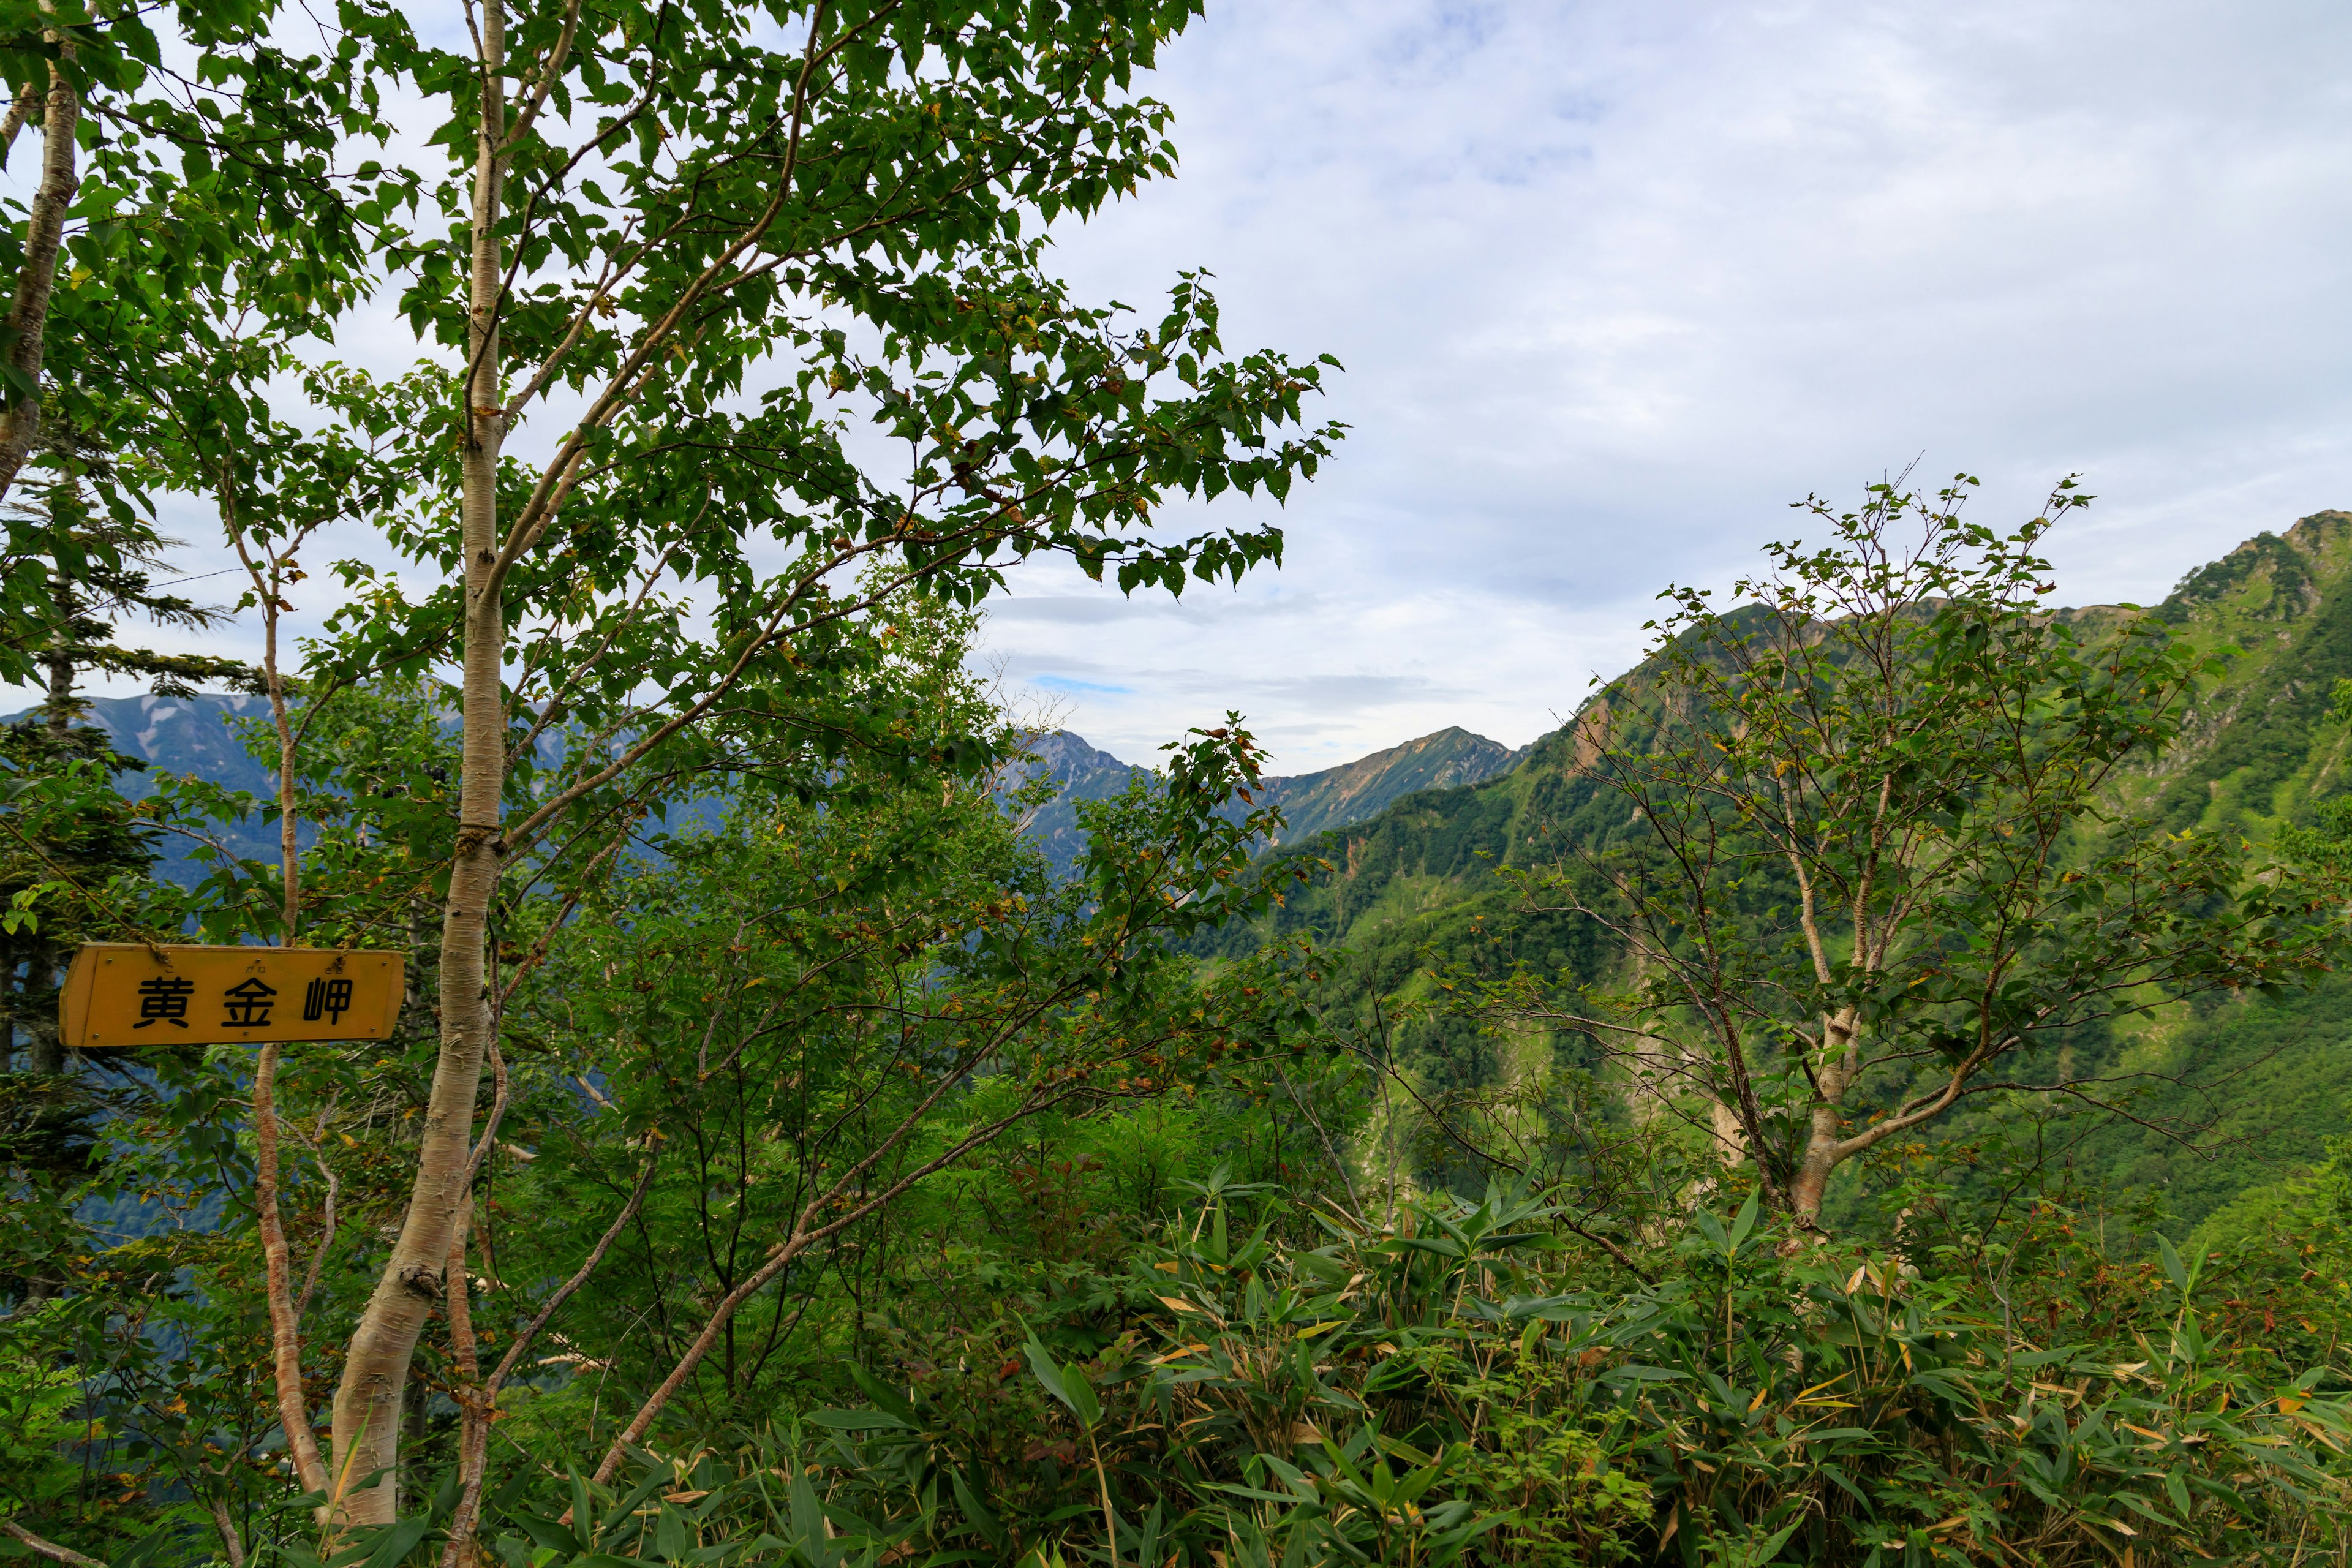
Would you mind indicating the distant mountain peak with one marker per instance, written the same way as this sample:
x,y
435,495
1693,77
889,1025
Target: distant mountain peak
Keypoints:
x,y
1449,758
2271,576
1310,803
1061,751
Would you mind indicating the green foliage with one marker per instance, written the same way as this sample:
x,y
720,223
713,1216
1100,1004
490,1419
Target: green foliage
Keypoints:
x,y
826,1135
875,989
800,1019
38,1442
1469,1384
1880,868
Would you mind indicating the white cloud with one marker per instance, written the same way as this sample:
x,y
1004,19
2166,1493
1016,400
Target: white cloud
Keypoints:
x,y
1615,281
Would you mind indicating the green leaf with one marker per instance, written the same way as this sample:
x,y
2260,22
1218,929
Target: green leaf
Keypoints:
x,y
858,1421
550,1534
385,1546
1048,1372
973,1511
1080,1396
2173,1268
1745,1223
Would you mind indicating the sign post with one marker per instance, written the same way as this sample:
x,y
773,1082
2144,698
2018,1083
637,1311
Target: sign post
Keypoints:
x,y
122,996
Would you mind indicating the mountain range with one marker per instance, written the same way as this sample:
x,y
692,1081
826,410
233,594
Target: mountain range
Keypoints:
x,y
1310,803
1401,848
187,735
2267,1081
191,735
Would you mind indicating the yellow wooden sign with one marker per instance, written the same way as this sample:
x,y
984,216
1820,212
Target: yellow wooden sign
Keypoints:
x,y
122,996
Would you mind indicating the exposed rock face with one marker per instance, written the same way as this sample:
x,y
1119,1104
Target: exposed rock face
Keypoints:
x,y
184,735
1078,772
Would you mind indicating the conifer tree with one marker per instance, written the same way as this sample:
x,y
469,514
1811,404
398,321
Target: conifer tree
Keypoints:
x,y
95,565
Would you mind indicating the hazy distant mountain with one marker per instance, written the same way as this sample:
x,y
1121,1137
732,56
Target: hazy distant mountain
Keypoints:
x,y
1311,803
1077,771
187,735
193,735
182,735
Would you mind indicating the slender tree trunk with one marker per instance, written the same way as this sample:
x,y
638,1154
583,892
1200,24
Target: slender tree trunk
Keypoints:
x,y
232,1544
413,1402
25,107
48,1548
285,1331
57,706
46,1051
57,711
289,858
473,1400
1823,1134
285,1309
47,1044
375,1373
29,315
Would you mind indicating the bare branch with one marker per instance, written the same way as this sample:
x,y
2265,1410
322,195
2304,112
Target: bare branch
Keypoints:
x,y
481,1401
48,1548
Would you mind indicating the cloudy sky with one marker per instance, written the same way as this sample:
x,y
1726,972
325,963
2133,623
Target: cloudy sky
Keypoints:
x,y
1614,282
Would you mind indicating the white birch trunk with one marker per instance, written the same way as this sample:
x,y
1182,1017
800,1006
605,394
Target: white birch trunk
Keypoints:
x,y
375,1373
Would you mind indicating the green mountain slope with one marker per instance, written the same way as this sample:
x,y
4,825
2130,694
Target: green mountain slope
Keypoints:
x,y
2260,749
2266,1081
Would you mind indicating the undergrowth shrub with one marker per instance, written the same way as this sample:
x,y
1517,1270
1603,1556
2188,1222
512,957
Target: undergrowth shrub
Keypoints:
x,y
1265,1384
1469,1383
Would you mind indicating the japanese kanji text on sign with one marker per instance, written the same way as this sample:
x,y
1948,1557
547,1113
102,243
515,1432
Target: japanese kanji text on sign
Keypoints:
x,y
123,996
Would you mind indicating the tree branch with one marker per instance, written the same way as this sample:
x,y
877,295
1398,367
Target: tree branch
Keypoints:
x,y
48,1548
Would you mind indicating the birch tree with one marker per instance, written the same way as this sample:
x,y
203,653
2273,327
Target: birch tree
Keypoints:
x,y
733,301
1878,859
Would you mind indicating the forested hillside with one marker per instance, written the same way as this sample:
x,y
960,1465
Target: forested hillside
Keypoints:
x,y
607,1056
2264,1080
